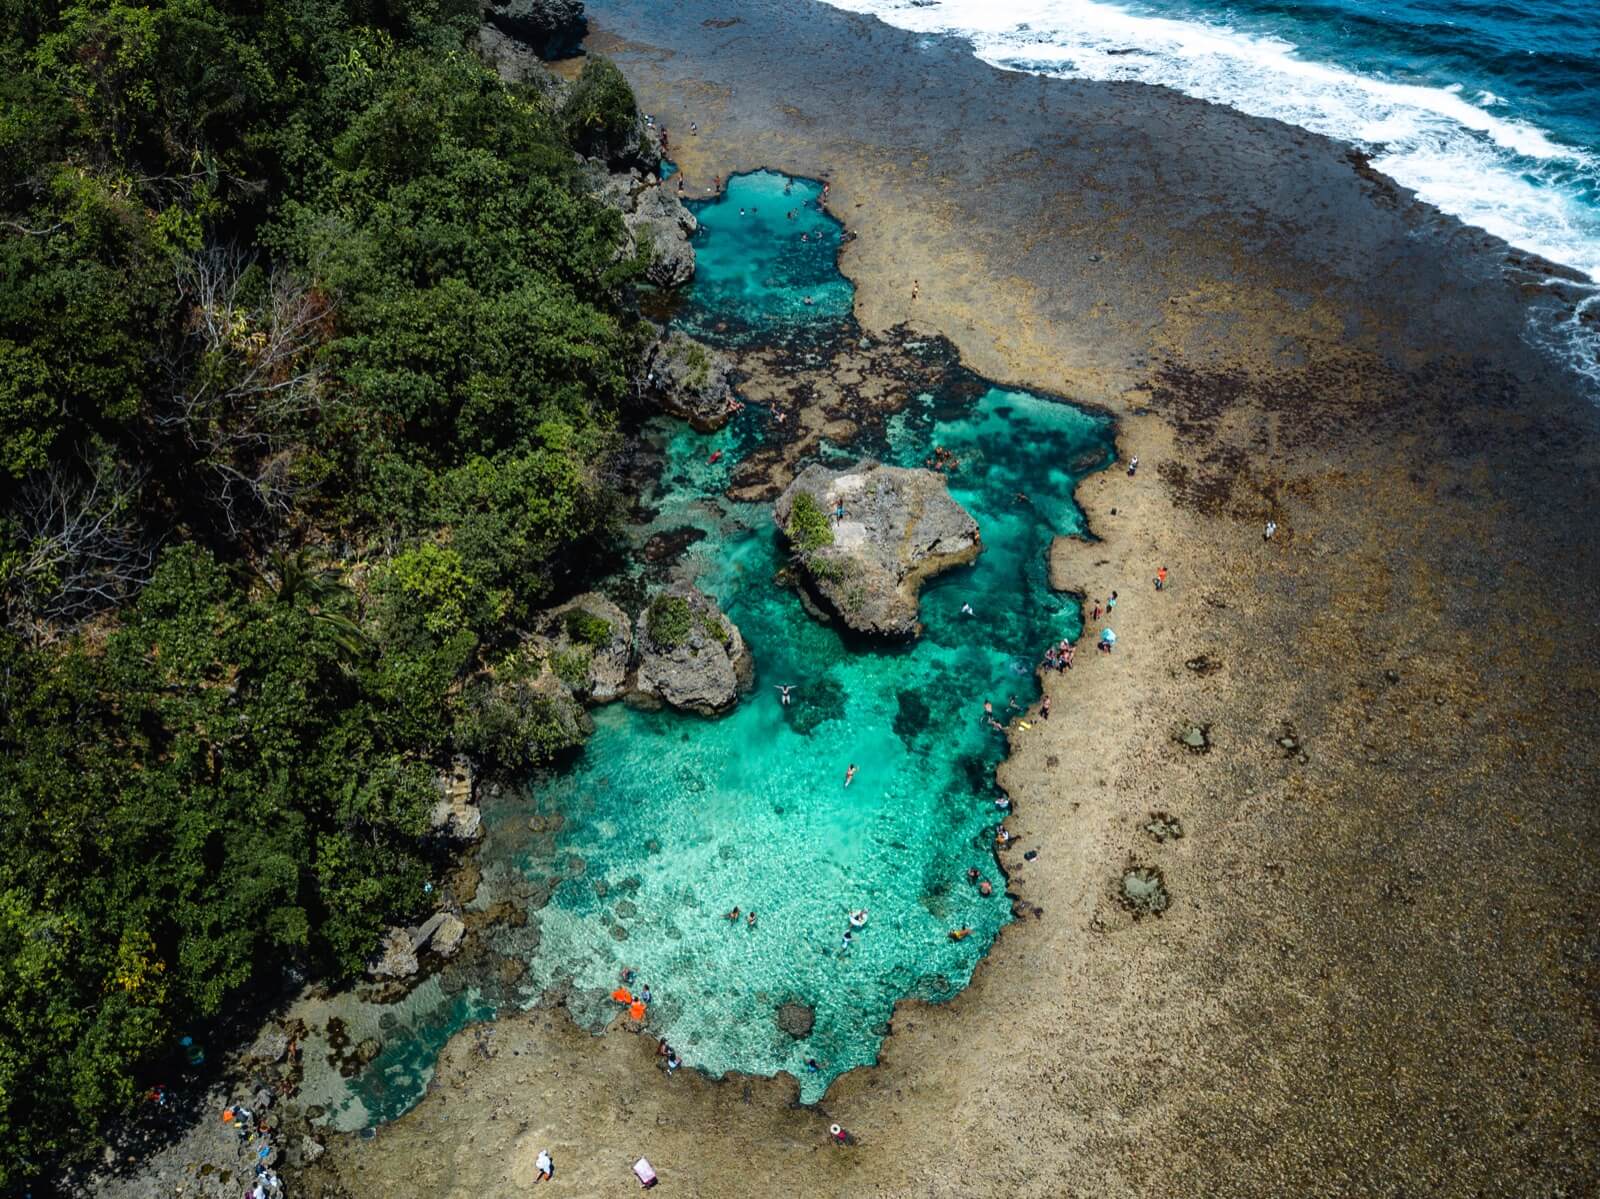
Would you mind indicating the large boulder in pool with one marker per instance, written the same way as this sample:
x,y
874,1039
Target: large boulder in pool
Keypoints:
x,y
659,224
550,28
690,655
898,528
588,642
690,381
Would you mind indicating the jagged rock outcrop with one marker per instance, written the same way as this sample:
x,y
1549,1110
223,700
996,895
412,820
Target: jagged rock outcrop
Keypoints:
x,y
656,219
397,958
550,28
690,655
456,812
440,932
688,380
898,528
589,640
515,62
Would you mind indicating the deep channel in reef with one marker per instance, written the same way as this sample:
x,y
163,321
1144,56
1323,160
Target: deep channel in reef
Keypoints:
x,y
668,821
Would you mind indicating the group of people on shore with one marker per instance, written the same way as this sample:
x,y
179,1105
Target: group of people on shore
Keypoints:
x,y
251,1129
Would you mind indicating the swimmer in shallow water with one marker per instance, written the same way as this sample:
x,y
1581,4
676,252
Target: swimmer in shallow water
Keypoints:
x,y
850,774
783,692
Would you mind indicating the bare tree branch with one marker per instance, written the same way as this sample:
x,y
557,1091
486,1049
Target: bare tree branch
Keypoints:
x,y
81,549
245,381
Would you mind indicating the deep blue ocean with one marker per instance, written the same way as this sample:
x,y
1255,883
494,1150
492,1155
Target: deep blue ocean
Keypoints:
x,y
1489,109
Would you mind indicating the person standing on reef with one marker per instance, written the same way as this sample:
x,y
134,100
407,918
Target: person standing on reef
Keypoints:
x,y
1044,708
1111,602
850,774
915,288
1272,527
1161,579
1133,466
1095,615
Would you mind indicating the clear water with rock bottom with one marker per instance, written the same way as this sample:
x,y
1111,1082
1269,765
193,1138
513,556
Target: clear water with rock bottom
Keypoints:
x,y
668,821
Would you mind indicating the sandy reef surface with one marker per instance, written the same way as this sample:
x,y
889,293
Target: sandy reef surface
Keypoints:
x,y
1378,973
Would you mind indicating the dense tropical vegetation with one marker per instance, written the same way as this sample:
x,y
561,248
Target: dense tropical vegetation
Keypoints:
x,y
312,345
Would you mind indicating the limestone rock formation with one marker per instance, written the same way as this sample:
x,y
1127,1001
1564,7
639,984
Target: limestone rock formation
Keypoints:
x,y
456,811
397,958
656,219
689,381
690,655
588,641
550,28
516,62
898,528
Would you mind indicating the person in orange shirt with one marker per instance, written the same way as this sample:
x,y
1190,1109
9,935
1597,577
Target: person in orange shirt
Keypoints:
x,y
1161,579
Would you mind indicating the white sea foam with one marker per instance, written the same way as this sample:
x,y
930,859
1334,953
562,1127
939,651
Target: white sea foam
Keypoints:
x,y
1496,172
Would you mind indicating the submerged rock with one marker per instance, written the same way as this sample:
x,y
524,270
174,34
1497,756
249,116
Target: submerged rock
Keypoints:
x,y
796,1019
898,528
690,381
589,641
550,28
690,655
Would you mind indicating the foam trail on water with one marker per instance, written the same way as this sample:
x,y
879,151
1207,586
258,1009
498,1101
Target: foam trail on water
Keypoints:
x,y
1502,174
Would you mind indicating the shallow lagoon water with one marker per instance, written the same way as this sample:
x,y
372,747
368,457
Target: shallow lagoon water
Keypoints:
x,y
667,821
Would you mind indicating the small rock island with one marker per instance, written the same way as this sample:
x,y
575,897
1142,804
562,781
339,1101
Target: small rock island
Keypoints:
x,y
689,655
866,537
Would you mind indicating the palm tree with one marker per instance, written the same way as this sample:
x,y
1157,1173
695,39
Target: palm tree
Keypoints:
x,y
299,580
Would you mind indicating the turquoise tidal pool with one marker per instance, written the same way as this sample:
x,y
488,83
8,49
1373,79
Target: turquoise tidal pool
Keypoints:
x,y
668,821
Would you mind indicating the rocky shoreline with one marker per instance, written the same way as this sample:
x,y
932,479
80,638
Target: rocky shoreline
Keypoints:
x,y
1367,975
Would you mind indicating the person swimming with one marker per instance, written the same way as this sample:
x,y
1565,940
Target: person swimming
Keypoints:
x,y
783,692
732,916
957,934
850,774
